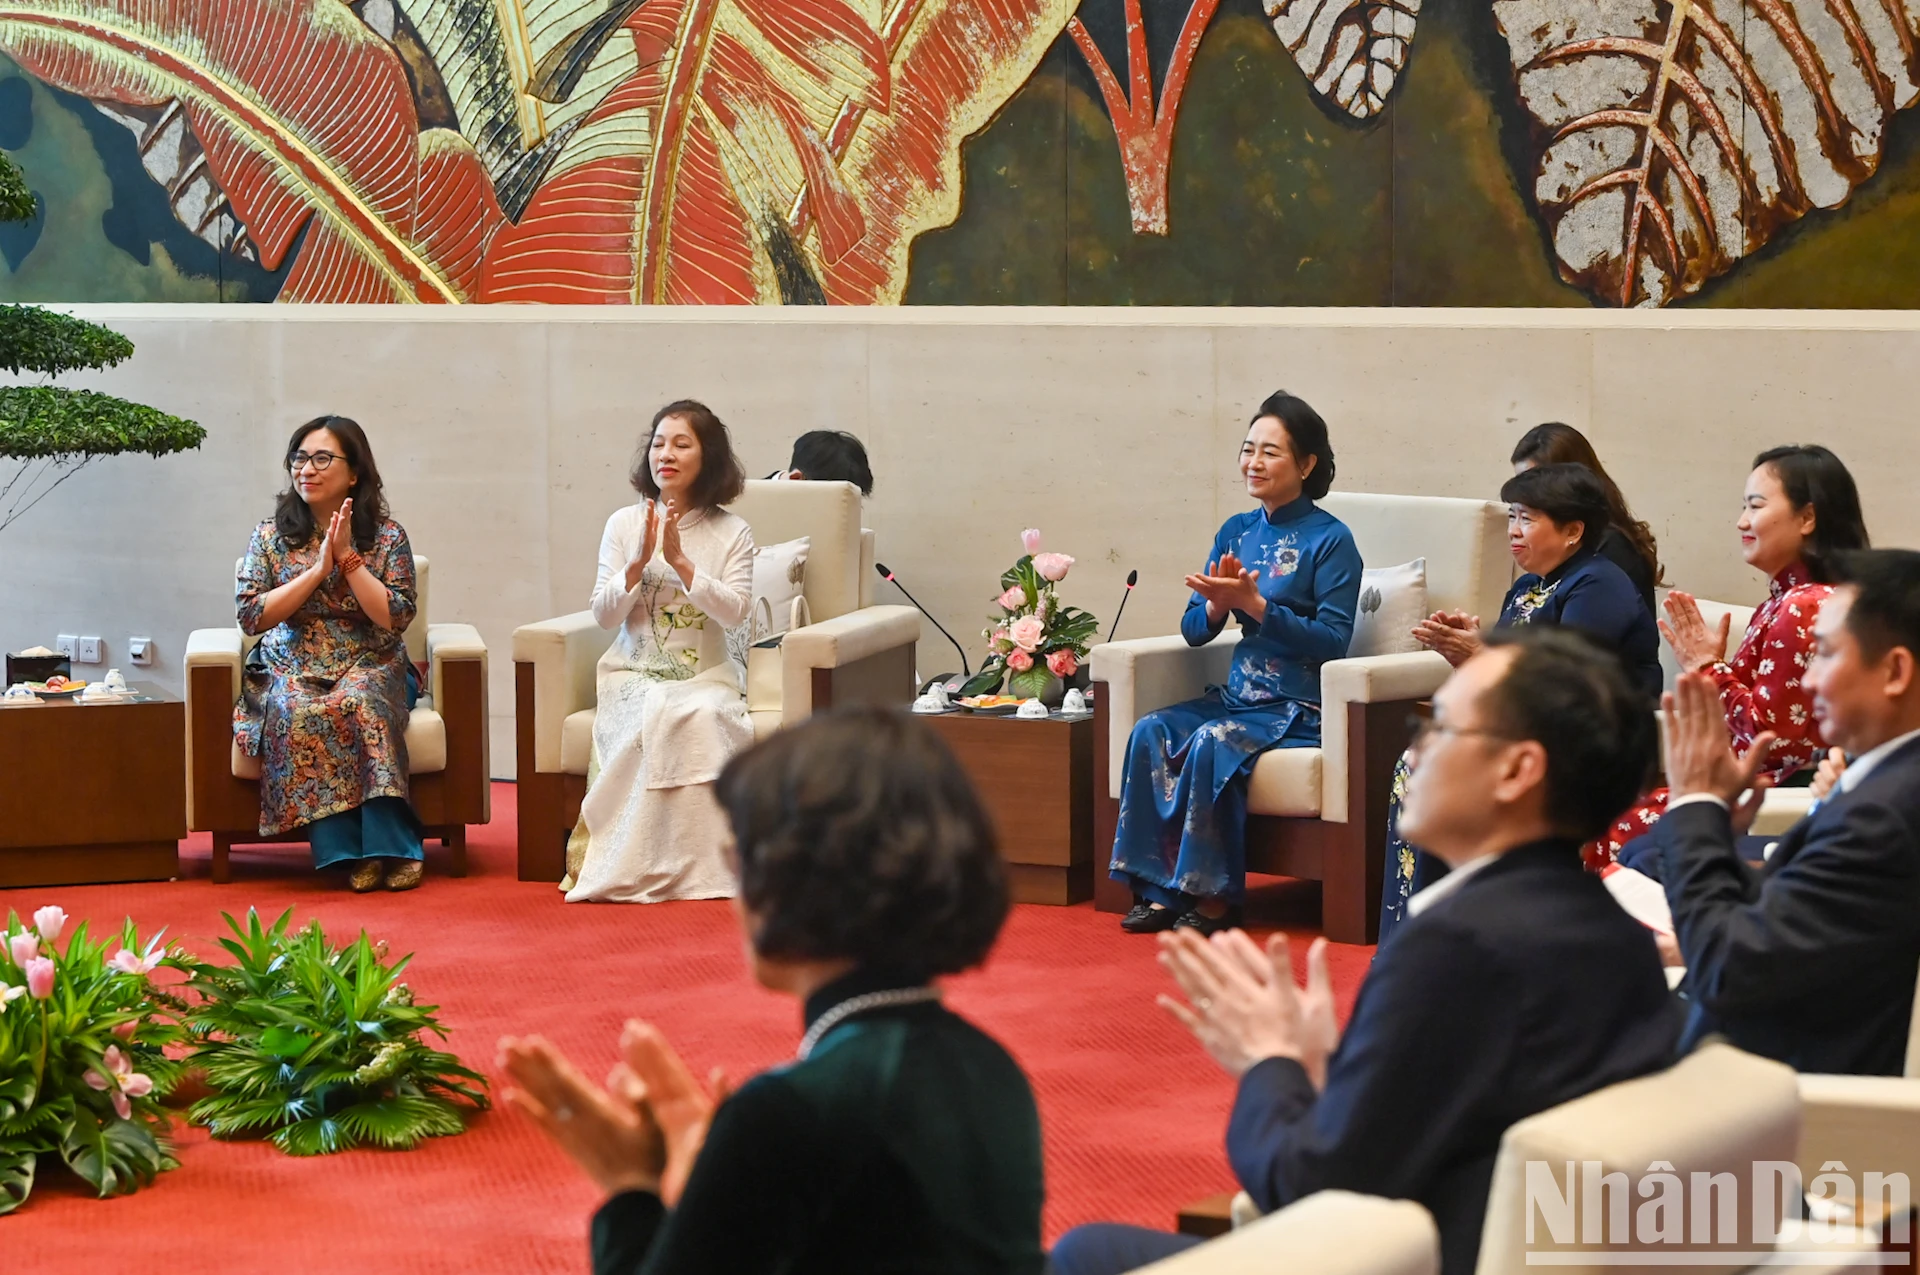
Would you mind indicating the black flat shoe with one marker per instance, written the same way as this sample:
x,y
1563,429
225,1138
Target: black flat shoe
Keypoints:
x,y
1148,919
1208,925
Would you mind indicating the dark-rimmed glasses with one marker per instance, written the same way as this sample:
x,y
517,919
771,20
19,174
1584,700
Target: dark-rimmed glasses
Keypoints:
x,y
319,461
1421,729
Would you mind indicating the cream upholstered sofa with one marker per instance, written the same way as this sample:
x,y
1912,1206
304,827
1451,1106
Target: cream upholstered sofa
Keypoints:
x,y
1328,1233
1318,813
1717,1111
851,652
446,736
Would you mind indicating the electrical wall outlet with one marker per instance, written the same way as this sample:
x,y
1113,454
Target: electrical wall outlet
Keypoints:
x,y
140,650
87,651
66,644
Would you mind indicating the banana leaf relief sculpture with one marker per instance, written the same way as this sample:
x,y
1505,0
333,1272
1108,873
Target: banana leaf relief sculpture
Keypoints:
x,y
551,150
790,151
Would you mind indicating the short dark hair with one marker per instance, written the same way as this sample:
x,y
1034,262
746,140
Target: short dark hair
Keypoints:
x,y
1557,443
1812,475
1565,493
1886,603
291,516
859,837
832,456
1577,700
1308,434
721,478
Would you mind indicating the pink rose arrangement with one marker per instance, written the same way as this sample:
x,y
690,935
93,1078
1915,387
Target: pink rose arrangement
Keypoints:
x,y
1035,640
84,1042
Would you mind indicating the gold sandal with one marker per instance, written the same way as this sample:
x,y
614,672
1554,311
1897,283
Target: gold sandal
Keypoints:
x,y
365,876
405,874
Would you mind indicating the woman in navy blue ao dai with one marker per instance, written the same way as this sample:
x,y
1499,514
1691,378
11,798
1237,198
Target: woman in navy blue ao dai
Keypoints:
x,y
1289,574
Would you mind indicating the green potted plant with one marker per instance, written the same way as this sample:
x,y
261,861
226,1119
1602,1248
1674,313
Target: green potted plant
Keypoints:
x,y
1035,645
49,433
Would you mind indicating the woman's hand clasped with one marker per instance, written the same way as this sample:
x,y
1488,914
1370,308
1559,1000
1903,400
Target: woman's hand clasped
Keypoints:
x,y
1454,635
1694,645
670,547
643,1132
1228,587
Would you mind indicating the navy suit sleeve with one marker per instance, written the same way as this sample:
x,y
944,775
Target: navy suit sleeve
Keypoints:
x,y
1194,625
1592,605
1427,1049
1326,633
1836,910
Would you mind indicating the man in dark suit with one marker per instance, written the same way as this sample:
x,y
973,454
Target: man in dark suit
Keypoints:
x,y
1810,959
1515,984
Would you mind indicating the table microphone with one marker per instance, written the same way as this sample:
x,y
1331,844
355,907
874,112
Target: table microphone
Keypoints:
x,y
967,669
1133,578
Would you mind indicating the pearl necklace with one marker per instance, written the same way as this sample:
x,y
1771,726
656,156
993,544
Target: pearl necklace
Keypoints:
x,y
859,1005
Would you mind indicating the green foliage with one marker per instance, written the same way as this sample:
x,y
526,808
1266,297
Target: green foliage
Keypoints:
x,y
36,340
16,201
320,1047
59,1085
44,422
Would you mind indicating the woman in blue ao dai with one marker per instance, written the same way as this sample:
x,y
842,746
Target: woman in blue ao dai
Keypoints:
x,y
1288,573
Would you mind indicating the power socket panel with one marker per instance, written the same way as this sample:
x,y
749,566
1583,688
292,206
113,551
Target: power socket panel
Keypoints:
x,y
87,651
66,644
140,650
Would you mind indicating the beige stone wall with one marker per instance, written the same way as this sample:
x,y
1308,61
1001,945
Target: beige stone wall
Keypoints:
x,y
504,436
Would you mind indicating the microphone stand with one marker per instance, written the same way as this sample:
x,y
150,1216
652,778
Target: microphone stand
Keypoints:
x,y
1133,578
965,668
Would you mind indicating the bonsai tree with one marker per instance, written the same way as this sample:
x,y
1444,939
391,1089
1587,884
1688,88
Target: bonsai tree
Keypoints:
x,y
49,434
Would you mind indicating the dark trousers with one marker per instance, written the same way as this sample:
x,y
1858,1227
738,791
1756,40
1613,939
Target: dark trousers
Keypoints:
x,y
1108,1248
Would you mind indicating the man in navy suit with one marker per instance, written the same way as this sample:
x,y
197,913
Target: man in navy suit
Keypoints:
x,y
1810,959
1515,984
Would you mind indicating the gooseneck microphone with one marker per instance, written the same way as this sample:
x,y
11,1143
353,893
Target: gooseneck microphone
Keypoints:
x,y
1133,578
888,576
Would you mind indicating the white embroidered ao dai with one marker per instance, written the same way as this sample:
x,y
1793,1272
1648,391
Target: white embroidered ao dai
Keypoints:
x,y
671,715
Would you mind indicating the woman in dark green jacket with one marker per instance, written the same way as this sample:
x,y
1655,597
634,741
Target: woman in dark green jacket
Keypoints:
x,y
901,1137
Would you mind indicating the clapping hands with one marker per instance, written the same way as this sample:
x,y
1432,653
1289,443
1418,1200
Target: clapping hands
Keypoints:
x,y
1242,1004
1694,645
1228,586
1455,635
336,546
662,531
1700,756
642,1132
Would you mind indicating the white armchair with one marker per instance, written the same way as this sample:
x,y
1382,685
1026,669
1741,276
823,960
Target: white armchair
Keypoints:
x,y
850,653
448,768
1318,813
1328,1233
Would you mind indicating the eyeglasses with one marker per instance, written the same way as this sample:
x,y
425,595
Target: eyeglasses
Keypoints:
x,y
1423,729
319,461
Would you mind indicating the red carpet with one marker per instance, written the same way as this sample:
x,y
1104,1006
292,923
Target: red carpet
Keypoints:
x,y
1133,1110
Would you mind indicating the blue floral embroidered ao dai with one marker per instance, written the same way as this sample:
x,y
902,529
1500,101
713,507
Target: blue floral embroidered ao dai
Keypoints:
x,y
1183,800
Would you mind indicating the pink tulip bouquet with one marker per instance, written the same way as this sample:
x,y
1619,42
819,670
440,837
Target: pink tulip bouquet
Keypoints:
x,y
83,1056
1035,642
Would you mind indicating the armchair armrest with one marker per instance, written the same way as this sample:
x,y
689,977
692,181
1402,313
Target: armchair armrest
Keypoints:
x,y
1366,679
1871,1123
1143,674
210,652
457,678
563,653
836,643
1328,1233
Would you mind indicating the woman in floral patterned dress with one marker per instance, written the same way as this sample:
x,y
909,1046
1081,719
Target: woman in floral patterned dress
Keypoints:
x,y
676,573
327,586
1800,509
1558,516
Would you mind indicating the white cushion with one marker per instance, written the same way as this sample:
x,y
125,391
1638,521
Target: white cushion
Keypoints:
x,y
1285,781
426,745
1463,541
779,580
1780,809
1328,1233
829,515
1392,601
576,742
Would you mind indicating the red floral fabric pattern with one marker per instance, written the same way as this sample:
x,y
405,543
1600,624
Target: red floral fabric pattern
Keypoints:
x,y
1762,688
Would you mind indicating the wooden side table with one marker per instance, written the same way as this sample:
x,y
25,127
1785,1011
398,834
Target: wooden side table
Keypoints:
x,y
1036,781
92,792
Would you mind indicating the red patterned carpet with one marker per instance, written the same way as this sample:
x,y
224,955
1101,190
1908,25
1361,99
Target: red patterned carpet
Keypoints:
x,y
1133,1110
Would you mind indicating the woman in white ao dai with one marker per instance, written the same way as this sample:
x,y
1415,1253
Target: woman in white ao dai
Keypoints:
x,y
676,572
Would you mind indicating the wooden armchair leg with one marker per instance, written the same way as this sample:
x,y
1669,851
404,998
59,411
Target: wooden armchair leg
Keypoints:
x,y
457,842
222,845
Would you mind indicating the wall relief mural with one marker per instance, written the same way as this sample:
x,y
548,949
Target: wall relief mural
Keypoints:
x,y
1519,152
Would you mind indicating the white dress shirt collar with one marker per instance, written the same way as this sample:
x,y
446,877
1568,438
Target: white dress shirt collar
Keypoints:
x,y
1860,767
1448,884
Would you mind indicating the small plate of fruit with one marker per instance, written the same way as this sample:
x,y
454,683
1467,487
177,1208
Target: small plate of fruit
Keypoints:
x,y
57,687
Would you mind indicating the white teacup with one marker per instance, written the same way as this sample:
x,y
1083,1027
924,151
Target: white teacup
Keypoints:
x,y
1073,701
1032,710
18,690
114,681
